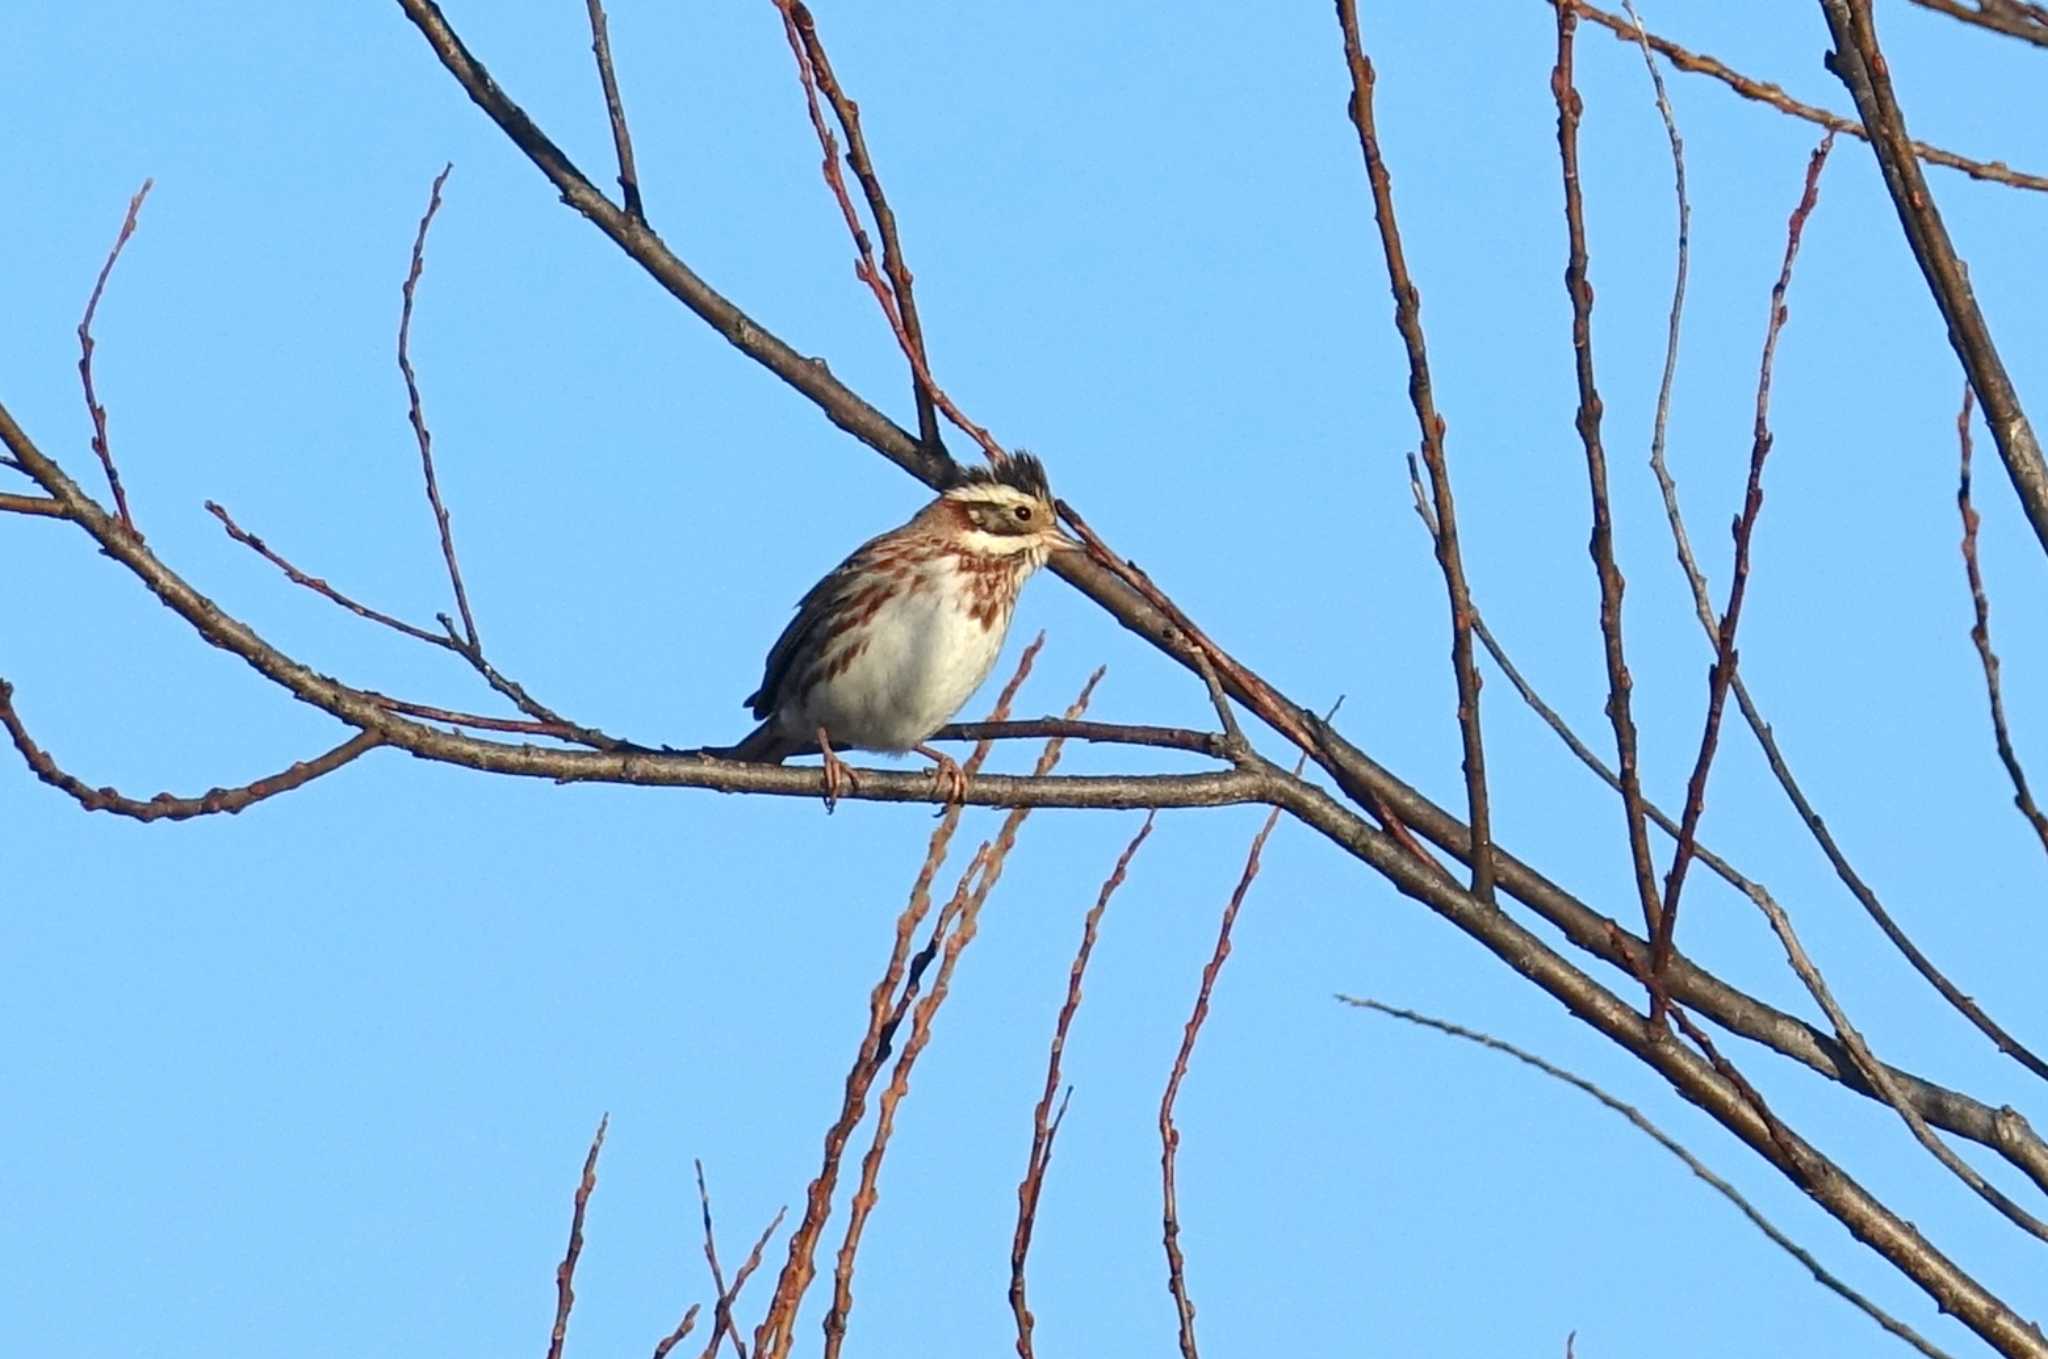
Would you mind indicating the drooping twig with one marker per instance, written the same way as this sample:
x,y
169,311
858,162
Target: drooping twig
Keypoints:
x,y
2014,18
1764,92
1672,1145
622,139
956,927
1450,559
1720,676
1980,634
418,418
1860,64
565,1273
167,806
1045,1123
882,1001
1588,420
1660,425
93,408
321,587
1169,1135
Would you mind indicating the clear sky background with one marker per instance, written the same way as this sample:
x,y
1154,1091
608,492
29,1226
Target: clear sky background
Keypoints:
x,y
319,1078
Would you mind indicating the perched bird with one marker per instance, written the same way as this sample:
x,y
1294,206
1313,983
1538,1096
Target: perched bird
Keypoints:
x,y
889,645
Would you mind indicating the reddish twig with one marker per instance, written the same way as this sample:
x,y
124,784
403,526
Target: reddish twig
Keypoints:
x,y
1408,321
1860,64
679,1334
797,1271
167,806
565,1273
898,269
1212,744
1602,545
895,300
1764,92
2013,18
86,345
419,419
1169,1135
1045,1124
956,927
622,140
1722,673
558,730
1980,633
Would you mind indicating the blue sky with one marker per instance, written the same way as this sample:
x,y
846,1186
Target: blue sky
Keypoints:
x,y
321,1075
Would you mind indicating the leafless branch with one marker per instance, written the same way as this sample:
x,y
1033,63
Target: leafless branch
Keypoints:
x,y
565,1273
722,1310
1450,558
93,408
1860,65
956,927
1044,1123
679,1334
167,806
38,505
1602,546
1980,634
1672,1145
2014,18
1722,672
622,139
1764,92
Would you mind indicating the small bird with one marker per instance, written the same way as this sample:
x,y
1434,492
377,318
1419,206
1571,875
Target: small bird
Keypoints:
x,y
889,645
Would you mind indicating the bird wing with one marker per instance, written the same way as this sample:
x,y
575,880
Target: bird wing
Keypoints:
x,y
795,642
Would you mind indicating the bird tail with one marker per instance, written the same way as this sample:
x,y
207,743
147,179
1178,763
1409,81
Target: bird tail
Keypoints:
x,y
765,744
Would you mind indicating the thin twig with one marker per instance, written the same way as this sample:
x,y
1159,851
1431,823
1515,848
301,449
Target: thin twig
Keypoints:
x,y
1980,634
1720,676
797,1271
1045,1124
1860,64
956,925
1764,92
863,166
622,140
93,407
722,1313
565,1273
679,1334
1169,1135
1660,426
1672,1145
2014,18
1209,743
419,419
1602,545
1450,559
321,587
168,806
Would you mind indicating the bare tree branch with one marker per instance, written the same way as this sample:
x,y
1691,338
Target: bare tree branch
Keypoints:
x,y
565,1273
1045,1125
1450,559
1860,65
2014,18
1994,171
1676,1148
622,138
93,408
1980,634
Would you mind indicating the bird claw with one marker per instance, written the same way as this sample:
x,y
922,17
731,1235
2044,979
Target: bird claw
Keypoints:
x,y
839,776
949,780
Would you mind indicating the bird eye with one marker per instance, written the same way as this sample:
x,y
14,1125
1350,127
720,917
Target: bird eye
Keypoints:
x,y
1023,513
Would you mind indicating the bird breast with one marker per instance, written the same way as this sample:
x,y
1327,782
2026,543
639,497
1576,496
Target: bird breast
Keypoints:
x,y
890,682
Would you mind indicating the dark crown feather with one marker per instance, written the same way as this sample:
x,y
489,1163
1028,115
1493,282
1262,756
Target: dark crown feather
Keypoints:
x,y
1021,471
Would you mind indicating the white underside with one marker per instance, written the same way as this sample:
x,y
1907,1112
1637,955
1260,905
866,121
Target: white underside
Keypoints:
x,y
925,658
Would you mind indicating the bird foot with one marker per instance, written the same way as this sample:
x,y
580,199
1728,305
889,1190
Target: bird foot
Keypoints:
x,y
839,777
947,776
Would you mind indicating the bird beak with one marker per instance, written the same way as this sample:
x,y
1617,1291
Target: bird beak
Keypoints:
x,y
1063,541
